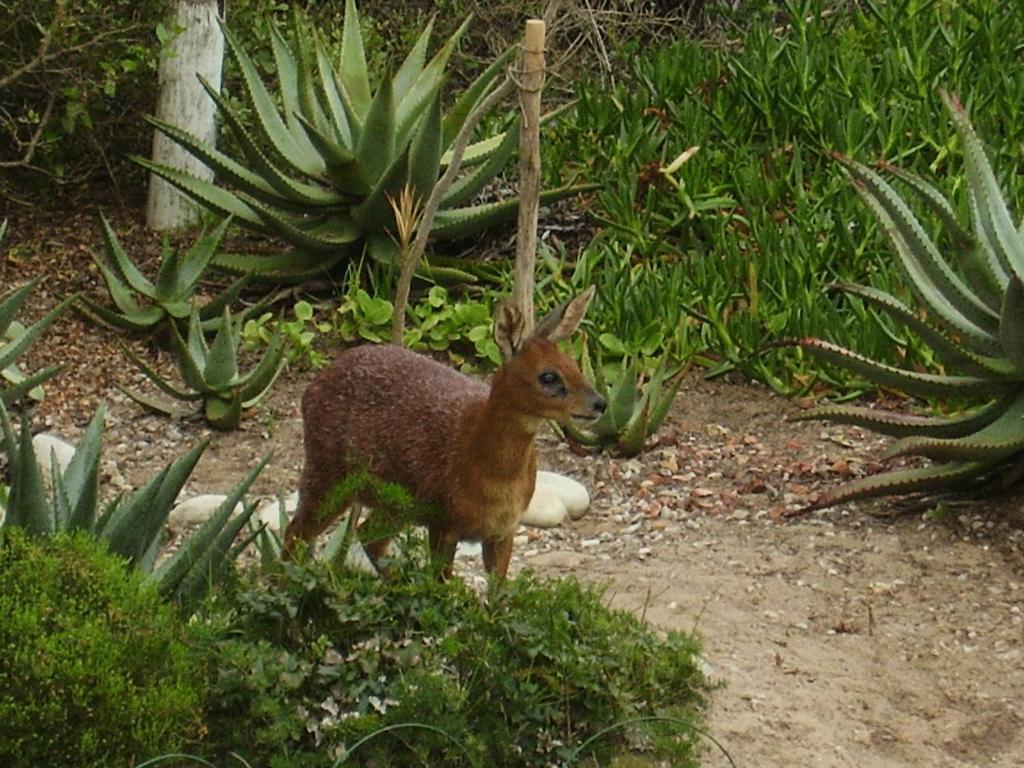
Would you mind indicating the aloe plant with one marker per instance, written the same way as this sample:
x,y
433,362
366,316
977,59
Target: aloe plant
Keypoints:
x,y
319,170
130,526
15,338
970,312
142,305
210,373
636,408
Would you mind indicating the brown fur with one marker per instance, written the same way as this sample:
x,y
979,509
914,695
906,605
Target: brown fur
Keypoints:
x,y
454,443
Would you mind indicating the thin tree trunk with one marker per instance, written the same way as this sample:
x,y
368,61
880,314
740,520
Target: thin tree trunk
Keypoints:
x,y
197,50
531,79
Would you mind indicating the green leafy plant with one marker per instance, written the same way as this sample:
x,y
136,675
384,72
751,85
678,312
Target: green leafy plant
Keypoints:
x,y
298,335
970,314
210,372
132,526
15,338
168,299
437,322
638,403
318,658
95,670
319,170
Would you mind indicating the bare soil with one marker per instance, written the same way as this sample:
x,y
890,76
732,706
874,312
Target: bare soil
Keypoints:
x,y
868,635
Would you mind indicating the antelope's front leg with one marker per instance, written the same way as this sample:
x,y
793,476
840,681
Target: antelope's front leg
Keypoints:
x,y
496,556
442,551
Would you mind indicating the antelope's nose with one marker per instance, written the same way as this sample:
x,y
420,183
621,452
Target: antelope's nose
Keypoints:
x,y
599,404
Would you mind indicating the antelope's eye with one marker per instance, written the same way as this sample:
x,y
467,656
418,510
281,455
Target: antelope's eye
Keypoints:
x,y
548,378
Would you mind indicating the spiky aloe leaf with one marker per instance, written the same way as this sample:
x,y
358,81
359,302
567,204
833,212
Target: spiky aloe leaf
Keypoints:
x,y
330,90
377,146
895,424
27,505
355,81
224,166
455,223
269,119
999,439
224,412
12,302
951,353
168,285
414,62
321,234
425,152
290,190
942,290
176,569
213,309
295,266
971,254
200,563
910,382
344,170
139,519
124,265
634,433
935,478
994,219
254,386
469,185
221,367
121,294
152,374
156,404
26,385
425,88
288,80
473,95
143,320
81,479
206,194
197,259
13,350
1011,324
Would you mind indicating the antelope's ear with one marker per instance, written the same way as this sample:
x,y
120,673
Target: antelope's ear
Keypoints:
x,y
508,328
565,318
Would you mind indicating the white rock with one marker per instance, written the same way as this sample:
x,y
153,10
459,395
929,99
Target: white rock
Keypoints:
x,y
546,509
268,512
356,559
573,494
198,509
469,549
43,445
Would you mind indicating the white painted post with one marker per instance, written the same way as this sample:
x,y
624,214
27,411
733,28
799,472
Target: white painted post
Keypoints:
x,y
198,49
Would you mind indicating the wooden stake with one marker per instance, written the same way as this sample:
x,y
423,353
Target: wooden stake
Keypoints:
x,y
531,82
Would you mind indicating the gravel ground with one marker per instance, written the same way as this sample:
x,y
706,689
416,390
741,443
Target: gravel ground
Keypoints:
x,y
867,635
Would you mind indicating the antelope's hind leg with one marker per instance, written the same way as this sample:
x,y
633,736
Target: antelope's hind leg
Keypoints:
x,y
496,556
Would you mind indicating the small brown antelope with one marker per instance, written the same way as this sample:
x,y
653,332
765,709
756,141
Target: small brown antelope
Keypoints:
x,y
459,447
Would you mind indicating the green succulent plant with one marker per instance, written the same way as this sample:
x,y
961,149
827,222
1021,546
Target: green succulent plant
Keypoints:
x,y
210,373
318,172
142,305
15,338
970,312
636,408
131,527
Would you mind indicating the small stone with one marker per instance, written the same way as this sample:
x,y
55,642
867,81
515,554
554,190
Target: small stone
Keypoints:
x,y
546,509
45,445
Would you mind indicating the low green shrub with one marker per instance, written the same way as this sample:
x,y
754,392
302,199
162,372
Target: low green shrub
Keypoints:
x,y
317,660
94,667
